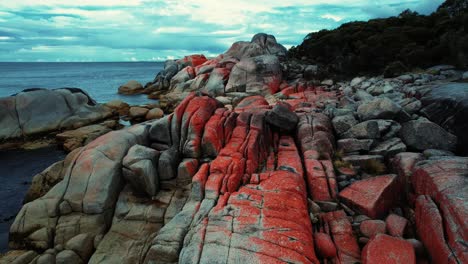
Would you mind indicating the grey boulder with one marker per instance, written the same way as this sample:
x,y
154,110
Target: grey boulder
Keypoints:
x,y
379,108
423,134
282,117
28,113
256,75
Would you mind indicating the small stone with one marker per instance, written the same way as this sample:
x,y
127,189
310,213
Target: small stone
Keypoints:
x,y
396,225
379,108
324,244
348,145
363,96
343,123
356,81
154,113
138,112
362,160
313,207
327,206
389,148
360,218
365,130
370,228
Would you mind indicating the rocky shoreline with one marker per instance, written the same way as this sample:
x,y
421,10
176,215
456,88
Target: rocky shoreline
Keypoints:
x,y
258,160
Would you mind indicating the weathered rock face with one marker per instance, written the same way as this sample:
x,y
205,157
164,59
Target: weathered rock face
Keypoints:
x,y
441,207
28,113
256,75
256,179
208,183
140,169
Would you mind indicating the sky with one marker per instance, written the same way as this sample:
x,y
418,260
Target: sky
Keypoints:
x,y
156,30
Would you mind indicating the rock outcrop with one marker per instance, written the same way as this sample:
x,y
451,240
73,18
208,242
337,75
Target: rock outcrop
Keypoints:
x,y
245,69
28,113
299,174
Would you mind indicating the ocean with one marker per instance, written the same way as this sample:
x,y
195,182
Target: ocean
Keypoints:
x,y
100,79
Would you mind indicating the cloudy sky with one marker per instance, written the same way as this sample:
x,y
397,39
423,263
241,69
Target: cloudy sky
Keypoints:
x,y
146,30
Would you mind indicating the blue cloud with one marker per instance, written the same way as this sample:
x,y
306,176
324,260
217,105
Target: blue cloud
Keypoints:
x,y
156,30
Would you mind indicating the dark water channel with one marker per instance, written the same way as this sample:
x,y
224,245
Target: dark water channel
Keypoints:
x,y
17,168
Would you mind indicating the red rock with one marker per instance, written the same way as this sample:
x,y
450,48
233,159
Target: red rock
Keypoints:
x,y
194,60
324,245
337,225
396,225
430,228
372,197
251,102
315,137
384,249
199,181
445,182
215,135
370,228
403,163
196,114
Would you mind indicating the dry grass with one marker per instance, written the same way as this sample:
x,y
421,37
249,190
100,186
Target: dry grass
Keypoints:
x,y
374,167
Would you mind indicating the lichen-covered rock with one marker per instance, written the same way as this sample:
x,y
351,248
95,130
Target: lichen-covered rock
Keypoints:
x,y
388,250
441,208
374,196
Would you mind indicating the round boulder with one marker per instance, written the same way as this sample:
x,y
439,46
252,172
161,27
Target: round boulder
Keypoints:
x,y
131,87
154,113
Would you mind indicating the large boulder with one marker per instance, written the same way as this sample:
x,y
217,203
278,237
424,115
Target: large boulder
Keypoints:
x,y
261,44
256,75
373,197
131,87
423,134
447,105
28,113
